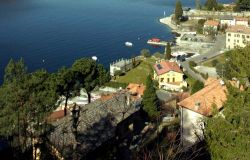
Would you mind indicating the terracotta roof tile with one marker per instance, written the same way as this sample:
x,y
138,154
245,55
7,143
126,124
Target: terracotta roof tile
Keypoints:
x,y
137,89
202,102
241,19
211,23
239,29
166,66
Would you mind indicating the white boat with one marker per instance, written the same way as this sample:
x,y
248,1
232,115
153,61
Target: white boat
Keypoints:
x,y
94,58
128,44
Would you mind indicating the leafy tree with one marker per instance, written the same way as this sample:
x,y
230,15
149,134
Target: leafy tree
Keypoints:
x,y
158,55
26,100
200,25
178,10
198,85
89,74
211,4
145,53
67,85
228,135
14,71
242,5
150,100
237,64
168,53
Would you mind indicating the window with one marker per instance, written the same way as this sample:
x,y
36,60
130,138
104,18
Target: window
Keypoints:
x,y
243,36
168,80
173,79
237,41
228,40
229,34
162,79
247,36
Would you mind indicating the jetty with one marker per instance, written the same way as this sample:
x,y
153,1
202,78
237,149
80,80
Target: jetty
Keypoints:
x,y
160,43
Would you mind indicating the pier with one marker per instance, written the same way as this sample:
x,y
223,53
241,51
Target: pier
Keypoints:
x,y
161,43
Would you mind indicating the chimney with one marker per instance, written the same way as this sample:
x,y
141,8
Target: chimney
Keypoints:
x,y
197,105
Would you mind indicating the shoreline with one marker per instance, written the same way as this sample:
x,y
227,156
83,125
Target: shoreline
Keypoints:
x,y
167,21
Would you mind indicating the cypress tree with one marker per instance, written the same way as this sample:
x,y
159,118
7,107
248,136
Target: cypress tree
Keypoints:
x,y
168,53
178,10
211,4
150,100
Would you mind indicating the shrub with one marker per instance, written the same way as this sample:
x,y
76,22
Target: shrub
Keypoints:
x,y
118,73
145,53
116,84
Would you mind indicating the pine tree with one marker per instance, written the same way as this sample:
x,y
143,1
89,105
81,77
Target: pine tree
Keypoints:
x,y
178,10
150,100
228,136
237,65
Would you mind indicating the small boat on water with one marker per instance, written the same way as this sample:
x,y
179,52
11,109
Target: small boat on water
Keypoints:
x,y
129,44
94,58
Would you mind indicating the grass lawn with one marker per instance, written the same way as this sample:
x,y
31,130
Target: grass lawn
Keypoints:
x,y
139,73
221,58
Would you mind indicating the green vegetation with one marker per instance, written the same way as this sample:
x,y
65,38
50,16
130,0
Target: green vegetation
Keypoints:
x,y
214,61
237,64
192,64
158,55
199,27
242,5
235,143
145,53
139,73
178,10
150,100
236,114
197,85
116,84
27,99
211,5
168,54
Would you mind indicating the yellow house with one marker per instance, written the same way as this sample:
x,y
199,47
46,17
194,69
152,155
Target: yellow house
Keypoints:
x,y
169,76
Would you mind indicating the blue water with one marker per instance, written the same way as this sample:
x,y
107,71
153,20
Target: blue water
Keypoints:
x,y
60,31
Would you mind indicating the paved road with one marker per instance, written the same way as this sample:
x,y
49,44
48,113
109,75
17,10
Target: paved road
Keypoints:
x,y
219,45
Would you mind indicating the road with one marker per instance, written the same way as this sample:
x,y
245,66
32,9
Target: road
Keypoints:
x,y
219,45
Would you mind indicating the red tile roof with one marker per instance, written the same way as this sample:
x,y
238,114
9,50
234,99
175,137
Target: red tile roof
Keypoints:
x,y
211,23
203,101
241,19
166,66
239,29
56,115
137,89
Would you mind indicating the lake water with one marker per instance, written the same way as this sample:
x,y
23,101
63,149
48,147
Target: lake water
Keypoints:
x,y
60,31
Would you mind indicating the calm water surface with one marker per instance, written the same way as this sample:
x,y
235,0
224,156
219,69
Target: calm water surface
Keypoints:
x,y
60,31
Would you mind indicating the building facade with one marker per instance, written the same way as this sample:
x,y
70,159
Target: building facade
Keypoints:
x,y
199,106
169,76
237,36
122,65
211,26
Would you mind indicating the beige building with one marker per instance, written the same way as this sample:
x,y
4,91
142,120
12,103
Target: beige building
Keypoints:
x,y
210,26
237,36
169,76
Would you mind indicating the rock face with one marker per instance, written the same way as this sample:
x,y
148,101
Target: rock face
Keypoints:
x,y
88,127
